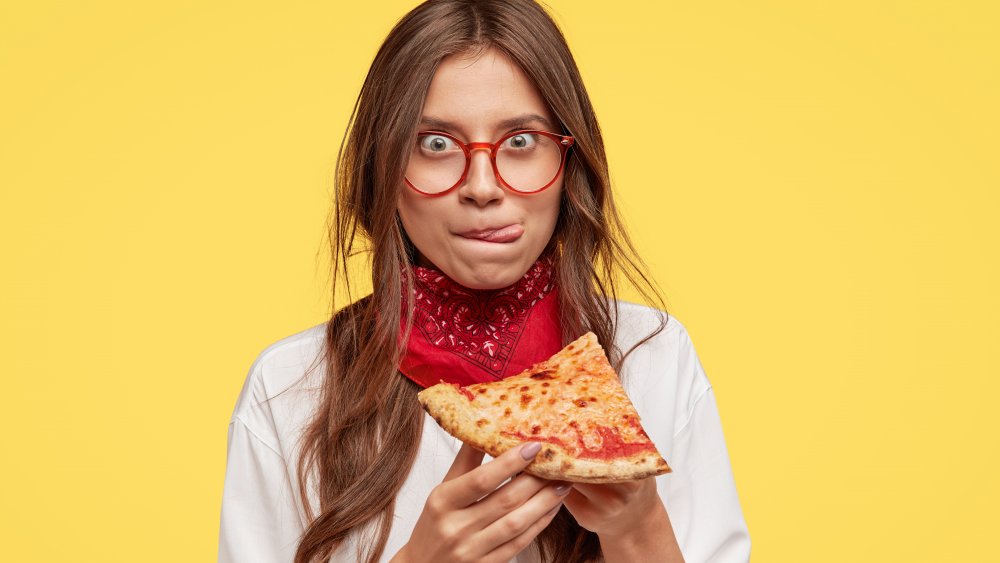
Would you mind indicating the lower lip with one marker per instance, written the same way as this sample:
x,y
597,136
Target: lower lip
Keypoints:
x,y
507,234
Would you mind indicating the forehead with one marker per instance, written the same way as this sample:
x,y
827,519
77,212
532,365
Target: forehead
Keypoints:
x,y
476,92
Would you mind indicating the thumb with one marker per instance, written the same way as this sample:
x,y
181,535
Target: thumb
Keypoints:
x,y
467,459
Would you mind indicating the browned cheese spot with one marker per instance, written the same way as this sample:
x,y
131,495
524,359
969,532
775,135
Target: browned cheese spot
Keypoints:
x,y
536,429
571,346
524,388
545,384
545,392
481,390
503,397
525,399
593,399
552,401
547,454
506,412
567,465
544,374
580,403
574,424
481,422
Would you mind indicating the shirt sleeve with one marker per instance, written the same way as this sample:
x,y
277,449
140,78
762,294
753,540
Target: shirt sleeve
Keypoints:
x,y
260,522
701,494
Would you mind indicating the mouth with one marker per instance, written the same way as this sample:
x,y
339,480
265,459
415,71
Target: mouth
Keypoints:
x,y
505,234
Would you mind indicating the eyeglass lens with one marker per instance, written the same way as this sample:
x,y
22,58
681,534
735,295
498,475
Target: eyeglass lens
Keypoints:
x,y
527,162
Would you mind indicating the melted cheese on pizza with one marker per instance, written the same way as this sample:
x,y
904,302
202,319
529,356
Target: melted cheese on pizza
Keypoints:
x,y
581,408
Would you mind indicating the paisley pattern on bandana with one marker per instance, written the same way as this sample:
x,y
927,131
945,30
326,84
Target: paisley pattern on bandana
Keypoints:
x,y
465,336
479,326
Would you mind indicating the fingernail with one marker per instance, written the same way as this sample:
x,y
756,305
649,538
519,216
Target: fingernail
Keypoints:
x,y
563,489
530,450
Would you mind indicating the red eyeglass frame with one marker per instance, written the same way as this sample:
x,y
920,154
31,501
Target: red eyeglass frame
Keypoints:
x,y
564,142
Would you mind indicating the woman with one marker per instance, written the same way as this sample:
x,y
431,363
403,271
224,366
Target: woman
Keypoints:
x,y
475,171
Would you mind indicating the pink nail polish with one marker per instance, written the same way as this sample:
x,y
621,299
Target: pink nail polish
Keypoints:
x,y
530,450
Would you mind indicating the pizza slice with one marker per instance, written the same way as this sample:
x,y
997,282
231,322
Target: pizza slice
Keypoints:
x,y
573,403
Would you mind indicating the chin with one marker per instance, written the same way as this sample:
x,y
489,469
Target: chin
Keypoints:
x,y
492,276
490,281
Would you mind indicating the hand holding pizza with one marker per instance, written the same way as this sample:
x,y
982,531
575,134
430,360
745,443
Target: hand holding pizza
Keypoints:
x,y
613,509
575,404
471,517
629,518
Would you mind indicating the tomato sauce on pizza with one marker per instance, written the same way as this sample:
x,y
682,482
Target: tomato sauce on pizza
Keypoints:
x,y
573,403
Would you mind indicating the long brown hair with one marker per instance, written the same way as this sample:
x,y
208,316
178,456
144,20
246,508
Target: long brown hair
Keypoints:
x,y
362,442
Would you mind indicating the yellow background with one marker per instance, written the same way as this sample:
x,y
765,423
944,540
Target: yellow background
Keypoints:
x,y
815,185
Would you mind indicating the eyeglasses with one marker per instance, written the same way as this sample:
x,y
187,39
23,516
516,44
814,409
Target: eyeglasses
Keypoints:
x,y
526,161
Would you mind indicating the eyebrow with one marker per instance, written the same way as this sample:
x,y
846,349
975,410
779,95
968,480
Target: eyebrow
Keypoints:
x,y
518,121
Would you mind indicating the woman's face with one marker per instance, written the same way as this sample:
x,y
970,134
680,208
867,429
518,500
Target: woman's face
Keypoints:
x,y
475,97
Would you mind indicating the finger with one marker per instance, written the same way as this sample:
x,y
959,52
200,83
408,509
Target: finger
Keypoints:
x,y
469,487
506,499
576,503
519,520
507,550
585,496
602,493
587,491
467,459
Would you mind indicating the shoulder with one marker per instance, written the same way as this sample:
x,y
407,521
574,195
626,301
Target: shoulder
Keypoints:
x,y
288,356
664,368
636,321
281,377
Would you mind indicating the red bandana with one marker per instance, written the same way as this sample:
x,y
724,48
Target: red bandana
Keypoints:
x,y
467,336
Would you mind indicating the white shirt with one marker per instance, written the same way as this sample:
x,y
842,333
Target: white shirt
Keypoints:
x,y
262,515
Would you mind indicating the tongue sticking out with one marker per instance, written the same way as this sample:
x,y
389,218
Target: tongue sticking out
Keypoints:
x,y
506,234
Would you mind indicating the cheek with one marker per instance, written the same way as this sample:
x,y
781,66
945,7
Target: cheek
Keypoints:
x,y
418,217
409,207
409,216
550,207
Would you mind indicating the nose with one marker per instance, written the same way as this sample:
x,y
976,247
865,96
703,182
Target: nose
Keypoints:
x,y
481,186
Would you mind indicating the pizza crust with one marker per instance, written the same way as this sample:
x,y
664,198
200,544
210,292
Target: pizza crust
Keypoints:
x,y
570,394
